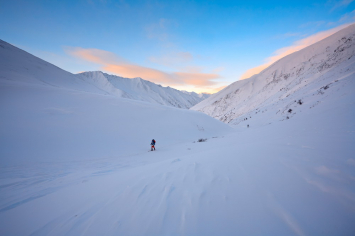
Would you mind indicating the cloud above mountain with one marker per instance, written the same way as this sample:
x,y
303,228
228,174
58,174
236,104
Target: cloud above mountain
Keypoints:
x,y
110,62
296,46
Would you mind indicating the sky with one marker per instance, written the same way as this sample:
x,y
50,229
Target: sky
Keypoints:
x,y
199,46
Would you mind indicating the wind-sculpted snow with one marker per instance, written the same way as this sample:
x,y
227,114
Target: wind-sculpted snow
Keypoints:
x,y
294,84
142,90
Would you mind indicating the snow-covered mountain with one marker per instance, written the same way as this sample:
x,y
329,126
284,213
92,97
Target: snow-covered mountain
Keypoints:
x,y
74,159
23,67
317,74
48,113
142,90
18,66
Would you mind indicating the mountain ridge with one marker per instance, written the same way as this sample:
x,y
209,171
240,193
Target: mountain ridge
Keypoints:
x,y
18,65
280,86
142,90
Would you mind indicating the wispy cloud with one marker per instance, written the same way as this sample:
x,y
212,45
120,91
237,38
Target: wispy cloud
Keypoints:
x,y
112,63
160,31
298,45
340,4
348,17
312,24
172,59
287,35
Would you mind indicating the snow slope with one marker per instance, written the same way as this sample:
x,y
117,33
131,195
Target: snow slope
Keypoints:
x,y
18,65
42,123
294,84
75,162
142,90
53,115
288,178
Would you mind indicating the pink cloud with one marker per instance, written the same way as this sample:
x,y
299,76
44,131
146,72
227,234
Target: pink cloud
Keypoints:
x,y
94,55
298,45
110,62
197,79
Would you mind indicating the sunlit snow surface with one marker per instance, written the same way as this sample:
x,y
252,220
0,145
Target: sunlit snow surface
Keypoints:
x,y
75,161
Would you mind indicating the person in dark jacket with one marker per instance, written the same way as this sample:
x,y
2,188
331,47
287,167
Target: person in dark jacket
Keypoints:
x,y
153,145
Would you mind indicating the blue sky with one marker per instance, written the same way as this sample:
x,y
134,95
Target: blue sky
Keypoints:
x,y
191,45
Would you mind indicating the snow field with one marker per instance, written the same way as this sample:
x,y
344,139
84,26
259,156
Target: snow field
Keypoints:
x,y
45,124
74,159
280,179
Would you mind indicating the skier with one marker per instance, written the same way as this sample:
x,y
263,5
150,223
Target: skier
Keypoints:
x,y
153,145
